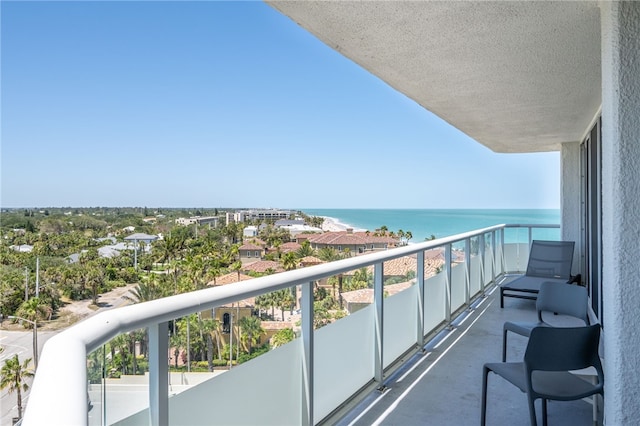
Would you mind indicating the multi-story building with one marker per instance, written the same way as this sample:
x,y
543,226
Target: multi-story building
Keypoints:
x,y
257,214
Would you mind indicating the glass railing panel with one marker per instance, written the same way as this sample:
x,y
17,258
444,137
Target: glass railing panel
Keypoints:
x,y
400,323
458,284
343,360
488,259
516,256
458,275
95,393
548,234
121,388
499,263
434,301
475,275
516,235
269,385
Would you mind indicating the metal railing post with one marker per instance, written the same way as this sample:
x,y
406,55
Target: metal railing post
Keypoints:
x,y
493,261
503,267
447,271
159,374
420,305
467,271
378,292
481,250
307,354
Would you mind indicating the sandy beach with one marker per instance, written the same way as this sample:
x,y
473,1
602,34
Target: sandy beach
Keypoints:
x,y
331,224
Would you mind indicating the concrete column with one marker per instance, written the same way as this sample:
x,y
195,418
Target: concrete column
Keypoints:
x,y
620,22
570,201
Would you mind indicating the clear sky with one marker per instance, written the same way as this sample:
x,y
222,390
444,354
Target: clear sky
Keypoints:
x,y
210,104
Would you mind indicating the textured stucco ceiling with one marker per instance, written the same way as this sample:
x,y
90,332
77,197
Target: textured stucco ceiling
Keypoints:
x,y
515,76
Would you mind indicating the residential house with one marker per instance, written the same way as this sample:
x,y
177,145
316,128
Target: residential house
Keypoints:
x,y
289,246
250,252
348,241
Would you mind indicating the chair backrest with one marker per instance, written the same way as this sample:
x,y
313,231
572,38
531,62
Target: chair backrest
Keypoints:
x,y
550,259
564,299
563,349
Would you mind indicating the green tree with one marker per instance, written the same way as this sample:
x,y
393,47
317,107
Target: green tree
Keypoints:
x,y
329,254
34,309
282,337
304,250
94,279
408,236
289,261
13,376
283,300
251,331
146,291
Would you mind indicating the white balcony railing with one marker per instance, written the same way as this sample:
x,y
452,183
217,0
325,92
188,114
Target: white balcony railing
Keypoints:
x,y
304,382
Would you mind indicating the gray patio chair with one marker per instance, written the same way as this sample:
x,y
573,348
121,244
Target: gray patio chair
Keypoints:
x,y
551,354
548,261
560,299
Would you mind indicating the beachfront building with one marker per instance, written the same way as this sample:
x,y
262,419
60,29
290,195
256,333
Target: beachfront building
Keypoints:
x,y
518,77
257,215
297,229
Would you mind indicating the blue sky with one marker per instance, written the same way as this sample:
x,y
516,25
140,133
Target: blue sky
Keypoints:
x,y
210,104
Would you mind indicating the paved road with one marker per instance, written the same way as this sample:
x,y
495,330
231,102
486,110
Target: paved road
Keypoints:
x,y
20,343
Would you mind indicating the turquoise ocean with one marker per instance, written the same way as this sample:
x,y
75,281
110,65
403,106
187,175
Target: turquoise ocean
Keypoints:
x,y
422,223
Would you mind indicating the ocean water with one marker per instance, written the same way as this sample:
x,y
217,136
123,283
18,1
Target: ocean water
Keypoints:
x,y
422,223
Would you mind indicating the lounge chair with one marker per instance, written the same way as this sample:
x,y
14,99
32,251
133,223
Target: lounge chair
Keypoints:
x,y
548,261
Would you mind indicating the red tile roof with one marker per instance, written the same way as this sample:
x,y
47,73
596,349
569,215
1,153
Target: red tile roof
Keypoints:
x,y
350,238
290,246
229,278
249,246
264,265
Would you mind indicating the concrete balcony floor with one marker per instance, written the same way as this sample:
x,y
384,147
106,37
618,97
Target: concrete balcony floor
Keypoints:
x,y
443,386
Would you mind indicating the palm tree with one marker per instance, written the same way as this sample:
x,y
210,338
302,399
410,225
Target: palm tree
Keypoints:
x,y
13,375
251,329
290,262
408,235
94,279
304,250
284,300
208,326
328,254
282,337
34,309
145,291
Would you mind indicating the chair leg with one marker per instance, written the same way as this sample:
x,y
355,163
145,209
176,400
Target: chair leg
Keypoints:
x,y
532,411
501,297
544,412
504,345
483,412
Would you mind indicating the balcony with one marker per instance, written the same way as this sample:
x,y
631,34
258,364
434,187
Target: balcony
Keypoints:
x,y
367,368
